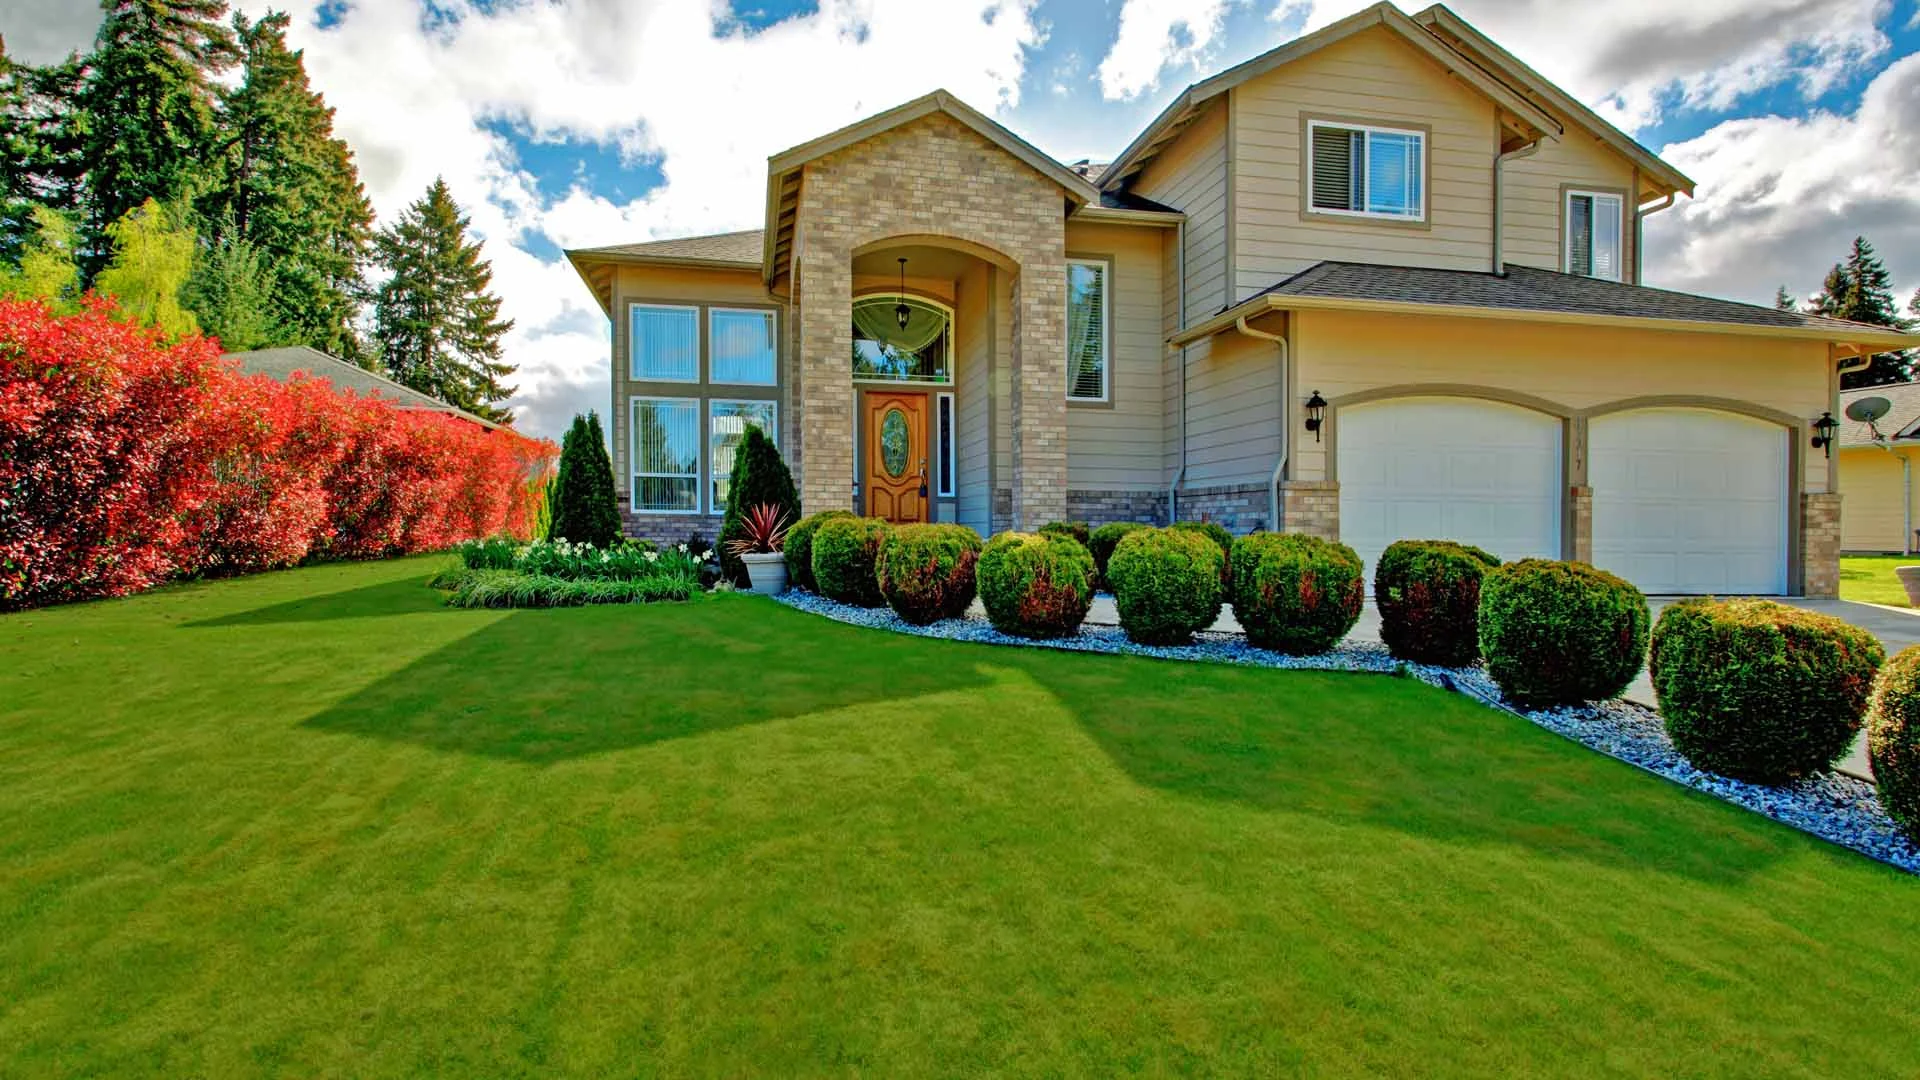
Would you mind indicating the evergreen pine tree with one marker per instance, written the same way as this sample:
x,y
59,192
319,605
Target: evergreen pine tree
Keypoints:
x,y
149,104
1784,301
759,476
1860,289
42,137
230,294
437,325
582,504
152,257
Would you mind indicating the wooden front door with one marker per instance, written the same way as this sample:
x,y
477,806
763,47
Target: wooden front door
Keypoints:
x,y
896,451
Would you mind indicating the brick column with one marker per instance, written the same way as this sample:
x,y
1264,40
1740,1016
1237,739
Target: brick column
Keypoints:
x,y
825,384
1311,507
1580,502
1820,544
1039,394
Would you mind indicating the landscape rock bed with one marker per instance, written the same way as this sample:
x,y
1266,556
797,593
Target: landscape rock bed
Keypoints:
x,y
1841,809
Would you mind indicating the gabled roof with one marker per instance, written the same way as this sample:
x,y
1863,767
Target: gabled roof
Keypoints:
x,y
783,169
1521,112
280,364
724,249
1524,293
1901,424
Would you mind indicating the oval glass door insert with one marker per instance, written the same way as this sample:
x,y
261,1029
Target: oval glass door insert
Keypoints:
x,y
893,442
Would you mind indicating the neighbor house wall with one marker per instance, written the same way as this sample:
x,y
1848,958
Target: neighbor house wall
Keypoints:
x,y
1873,509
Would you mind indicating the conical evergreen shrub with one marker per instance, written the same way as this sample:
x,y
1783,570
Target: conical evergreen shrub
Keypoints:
x,y
585,510
759,476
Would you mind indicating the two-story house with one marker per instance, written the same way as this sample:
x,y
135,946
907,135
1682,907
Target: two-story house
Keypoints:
x,y
1380,282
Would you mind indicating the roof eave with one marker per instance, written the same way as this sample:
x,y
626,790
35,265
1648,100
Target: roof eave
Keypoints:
x,y
1123,216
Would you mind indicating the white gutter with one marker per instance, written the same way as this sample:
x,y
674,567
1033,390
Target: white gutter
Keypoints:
x,y
1639,235
1499,201
1180,286
1286,421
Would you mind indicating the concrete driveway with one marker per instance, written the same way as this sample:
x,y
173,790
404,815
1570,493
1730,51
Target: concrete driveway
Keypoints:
x,y
1896,628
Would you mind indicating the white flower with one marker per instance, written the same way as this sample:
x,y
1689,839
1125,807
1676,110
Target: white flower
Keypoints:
x,y
653,556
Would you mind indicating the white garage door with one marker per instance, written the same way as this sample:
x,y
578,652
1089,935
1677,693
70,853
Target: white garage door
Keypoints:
x,y
1444,468
1690,500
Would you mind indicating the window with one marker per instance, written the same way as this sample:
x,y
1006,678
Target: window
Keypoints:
x,y
1086,330
1593,234
947,449
664,343
741,346
1368,171
886,347
726,425
666,455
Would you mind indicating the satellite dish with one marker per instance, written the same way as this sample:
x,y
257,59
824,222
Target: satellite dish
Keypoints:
x,y
1868,409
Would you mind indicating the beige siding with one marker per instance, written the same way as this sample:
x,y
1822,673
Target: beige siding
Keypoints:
x,y
1574,367
1873,512
1533,215
1118,446
973,336
1191,176
1375,77
1233,411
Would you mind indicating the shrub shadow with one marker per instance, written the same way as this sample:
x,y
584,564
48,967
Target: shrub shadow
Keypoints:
x,y
402,596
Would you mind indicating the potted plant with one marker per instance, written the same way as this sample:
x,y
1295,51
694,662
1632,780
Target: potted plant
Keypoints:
x,y
763,532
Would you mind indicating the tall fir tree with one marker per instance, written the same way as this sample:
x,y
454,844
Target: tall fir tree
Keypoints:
x,y
42,145
149,100
437,325
287,188
1860,289
231,295
583,507
1784,300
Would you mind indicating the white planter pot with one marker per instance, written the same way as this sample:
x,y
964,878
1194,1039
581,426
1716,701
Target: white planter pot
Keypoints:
x,y
767,572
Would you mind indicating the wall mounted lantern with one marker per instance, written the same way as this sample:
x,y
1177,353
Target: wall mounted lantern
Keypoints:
x,y
1823,430
901,312
1316,414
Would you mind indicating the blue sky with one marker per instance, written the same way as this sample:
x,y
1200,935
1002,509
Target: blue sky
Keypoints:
x,y
563,123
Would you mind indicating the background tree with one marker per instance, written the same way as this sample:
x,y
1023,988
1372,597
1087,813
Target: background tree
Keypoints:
x,y
152,257
759,476
437,325
1784,300
45,269
1860,289
149,100
230,294
42,144
583,505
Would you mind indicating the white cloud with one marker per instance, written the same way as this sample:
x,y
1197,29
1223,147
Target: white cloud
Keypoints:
x,y
1154,36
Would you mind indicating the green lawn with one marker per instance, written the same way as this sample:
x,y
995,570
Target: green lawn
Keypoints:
x,y
312,824
1869,578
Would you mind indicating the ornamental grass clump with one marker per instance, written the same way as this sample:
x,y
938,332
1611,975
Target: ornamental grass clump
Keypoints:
x,y
511,589
1101,542
1224,540
1035,586
1294,593
1760,691
799,546
1560,633
845,551
926,572
1893,739
1166,584
1428,594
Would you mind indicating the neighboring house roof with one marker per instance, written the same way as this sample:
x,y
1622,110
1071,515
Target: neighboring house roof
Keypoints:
x,y
727,250
280,364
1902,422
1527,293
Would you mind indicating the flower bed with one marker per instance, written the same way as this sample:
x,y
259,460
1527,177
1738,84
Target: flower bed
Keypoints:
x,y
496,573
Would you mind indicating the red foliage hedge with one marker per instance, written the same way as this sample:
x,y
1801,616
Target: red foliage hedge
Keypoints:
x,y
125,461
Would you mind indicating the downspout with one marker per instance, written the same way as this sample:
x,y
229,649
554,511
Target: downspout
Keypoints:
x,y
1286,419
1499,201
1639,219
1180,287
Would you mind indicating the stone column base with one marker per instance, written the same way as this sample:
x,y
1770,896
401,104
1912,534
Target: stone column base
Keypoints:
x,y
1580,523
1311,507
1820,544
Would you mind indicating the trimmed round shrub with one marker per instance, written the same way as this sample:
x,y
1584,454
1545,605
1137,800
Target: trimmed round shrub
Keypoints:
x,y
1166,583
1077,531
1220,536
1428,594
1101,542
845,550
1035,586
1760,691
799,546
1893,739
1296,594
1560,633
926,572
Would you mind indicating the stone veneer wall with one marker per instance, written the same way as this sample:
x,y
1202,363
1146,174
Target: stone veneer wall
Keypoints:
x,y
1311,507
1100,507
1241,508
668,528
1580,501
1820,543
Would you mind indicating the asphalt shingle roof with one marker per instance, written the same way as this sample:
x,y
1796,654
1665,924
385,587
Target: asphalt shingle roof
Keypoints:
x,y
741,247
280,365
1905,399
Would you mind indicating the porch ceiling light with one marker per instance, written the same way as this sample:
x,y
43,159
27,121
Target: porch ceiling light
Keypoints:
x,y
901,312
1316,414
1823,430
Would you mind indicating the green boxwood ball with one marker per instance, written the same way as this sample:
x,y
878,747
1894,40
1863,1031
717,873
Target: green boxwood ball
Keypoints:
x,y
1560,633
845,550
1220,536
1078,531
1428,594
1166,584
1893,739
1035,586
799,546
926,572
1101,542
1294,593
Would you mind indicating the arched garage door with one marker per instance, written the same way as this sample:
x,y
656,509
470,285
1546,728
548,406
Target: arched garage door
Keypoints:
x,y
1690,500
1448,468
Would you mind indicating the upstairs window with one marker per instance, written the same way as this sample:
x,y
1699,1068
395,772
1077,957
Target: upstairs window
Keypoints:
x,y
742,342
1087,360
1594,242
1368,171
665,343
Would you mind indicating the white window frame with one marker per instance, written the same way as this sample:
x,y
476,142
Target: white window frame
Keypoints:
x,y
1106,333
1371,129
706,422
771,313
944,406
699,342
1566,232
633,455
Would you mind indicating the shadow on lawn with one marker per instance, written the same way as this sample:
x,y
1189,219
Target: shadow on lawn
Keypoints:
x,y
403,596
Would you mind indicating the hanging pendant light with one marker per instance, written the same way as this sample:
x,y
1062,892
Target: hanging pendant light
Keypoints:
x,y
901,312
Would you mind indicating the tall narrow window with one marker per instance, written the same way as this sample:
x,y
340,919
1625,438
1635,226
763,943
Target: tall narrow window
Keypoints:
x,y
1087,354
1367,171
727,423
947,449
741,346
1594,240
664,343
666,455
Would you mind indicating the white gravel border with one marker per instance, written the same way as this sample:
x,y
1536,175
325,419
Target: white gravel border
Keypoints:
x,y
1835,807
